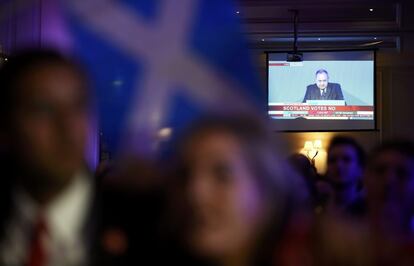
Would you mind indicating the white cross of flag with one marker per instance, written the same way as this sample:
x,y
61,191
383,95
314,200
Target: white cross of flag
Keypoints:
x,y
158,64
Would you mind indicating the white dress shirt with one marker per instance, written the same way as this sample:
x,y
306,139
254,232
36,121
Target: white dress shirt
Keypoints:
x,y
65,217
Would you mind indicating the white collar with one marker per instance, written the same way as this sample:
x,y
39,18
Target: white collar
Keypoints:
x,y
66,214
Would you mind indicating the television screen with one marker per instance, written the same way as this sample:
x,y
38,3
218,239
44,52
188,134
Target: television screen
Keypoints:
x,y
332,90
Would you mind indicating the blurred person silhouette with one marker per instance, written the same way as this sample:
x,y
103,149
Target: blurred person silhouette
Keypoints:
x,y
231,196
304,167
320,191
329,239
51,208
389,181
345,164
325,196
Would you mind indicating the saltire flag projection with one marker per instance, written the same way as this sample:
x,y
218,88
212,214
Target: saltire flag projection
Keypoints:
x,y
157,65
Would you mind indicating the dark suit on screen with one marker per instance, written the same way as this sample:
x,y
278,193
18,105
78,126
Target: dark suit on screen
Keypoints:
x,y
333,92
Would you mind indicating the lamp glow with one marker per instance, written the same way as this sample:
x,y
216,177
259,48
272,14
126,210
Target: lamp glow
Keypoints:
x,y
308,146
317,144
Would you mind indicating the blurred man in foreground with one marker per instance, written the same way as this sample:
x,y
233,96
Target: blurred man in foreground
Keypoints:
x,y
51,208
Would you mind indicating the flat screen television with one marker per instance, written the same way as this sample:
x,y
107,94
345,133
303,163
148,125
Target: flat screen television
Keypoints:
x,y
327,91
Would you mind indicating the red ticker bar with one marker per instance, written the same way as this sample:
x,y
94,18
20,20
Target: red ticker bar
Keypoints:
x,y
331,108
279,64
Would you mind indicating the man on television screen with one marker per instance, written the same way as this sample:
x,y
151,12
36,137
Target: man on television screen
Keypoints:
x,y
323,89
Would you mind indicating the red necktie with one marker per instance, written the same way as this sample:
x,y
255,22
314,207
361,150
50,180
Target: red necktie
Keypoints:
x,y
37,251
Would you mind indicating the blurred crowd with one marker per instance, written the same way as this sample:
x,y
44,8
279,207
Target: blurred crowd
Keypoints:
x,y
221,195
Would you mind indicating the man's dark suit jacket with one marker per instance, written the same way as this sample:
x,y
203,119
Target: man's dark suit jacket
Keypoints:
x,y
333,92
129,215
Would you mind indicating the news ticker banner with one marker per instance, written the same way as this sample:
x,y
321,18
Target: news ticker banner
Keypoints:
x,y
283,63
289,111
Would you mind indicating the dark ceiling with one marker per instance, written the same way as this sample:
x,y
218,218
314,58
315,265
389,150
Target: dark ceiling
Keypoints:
x,y
327,24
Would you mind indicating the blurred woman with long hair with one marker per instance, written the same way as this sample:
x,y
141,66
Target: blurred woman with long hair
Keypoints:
x,y
230,194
